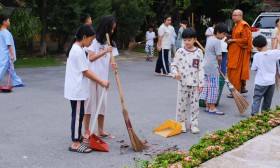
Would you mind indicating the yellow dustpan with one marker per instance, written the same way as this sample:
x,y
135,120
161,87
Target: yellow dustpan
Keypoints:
x,y
169,128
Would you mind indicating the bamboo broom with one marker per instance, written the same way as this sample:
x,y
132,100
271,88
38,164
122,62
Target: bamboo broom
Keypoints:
x,y
136,143
133,45
240,101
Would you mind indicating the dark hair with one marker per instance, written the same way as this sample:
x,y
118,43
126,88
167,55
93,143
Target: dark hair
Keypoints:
x,y
166,16
84,17
184,22
189,33
259,41
3,18
276,21
221,28
84,30
151,26
105,26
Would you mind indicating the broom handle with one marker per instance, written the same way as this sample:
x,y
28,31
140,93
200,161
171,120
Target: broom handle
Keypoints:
x,y
203,49
116,74
200,46
98,109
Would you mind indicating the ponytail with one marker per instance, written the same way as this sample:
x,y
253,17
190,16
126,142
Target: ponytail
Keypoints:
x,y
69,48
84,30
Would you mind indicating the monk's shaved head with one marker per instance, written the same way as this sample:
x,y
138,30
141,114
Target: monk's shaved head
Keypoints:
x,y
237,15
238,11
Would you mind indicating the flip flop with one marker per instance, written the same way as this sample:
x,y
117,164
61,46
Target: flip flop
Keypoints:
x,y
107,136
216,112
206,111
229,96
80,149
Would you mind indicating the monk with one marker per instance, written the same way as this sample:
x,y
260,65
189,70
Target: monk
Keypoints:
x,y
239,53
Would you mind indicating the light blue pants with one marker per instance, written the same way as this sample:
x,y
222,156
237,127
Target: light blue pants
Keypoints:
x,y
6,68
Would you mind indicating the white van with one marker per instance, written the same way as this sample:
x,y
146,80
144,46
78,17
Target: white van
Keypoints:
x,y
263,25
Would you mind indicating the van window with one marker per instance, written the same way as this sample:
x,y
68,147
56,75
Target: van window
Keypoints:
x,y
266,22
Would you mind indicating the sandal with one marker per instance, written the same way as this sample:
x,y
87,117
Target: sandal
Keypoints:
x,y
80,149
229,96
86,137
216,112
107,136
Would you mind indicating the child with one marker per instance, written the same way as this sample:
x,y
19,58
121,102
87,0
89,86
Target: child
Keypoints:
x,y
76,83
150,36
179,41
265,64
86,19
213,59
187,68
8,52
99,57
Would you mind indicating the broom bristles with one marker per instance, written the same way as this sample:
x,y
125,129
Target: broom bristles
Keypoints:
x,y
240,101
132,45
136,143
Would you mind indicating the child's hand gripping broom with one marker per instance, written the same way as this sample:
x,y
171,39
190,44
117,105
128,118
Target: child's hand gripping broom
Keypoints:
x,y
136,143
240,101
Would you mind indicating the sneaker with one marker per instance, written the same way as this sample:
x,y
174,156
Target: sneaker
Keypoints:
x,y
195,129
184,129
20,85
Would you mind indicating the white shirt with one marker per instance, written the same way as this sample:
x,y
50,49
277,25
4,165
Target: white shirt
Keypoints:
x,y
165,32
265,65
76,84
224,45
101,66
150,38
209,32
173,34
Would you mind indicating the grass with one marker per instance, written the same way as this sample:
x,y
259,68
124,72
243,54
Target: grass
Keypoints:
x,y
31,62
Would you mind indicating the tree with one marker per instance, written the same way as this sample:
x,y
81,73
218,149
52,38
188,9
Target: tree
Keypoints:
x,y
64,19
130,16
24,26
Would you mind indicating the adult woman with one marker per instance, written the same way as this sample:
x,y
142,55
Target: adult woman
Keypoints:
x,y
163,47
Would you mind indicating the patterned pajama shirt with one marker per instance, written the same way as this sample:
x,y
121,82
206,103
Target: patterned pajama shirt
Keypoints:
x,y
190,65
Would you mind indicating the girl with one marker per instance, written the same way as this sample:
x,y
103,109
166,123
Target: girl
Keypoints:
x,y
100,60
76,83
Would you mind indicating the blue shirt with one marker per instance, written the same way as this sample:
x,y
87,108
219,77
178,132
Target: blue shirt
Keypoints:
x,y
6,39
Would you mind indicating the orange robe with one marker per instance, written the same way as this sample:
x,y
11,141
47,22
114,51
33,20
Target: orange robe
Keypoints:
x,y
239,54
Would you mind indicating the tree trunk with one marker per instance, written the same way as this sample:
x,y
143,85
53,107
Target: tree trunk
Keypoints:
x,y
43,43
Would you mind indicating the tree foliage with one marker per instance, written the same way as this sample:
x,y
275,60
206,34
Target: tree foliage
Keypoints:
x,y
24,26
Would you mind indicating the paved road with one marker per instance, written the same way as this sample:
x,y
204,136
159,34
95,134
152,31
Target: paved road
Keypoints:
x,y
35,120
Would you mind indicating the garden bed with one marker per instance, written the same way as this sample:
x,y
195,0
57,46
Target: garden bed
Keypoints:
x,y
218,142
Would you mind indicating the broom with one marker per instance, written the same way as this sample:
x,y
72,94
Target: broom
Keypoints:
x,y
133,45
240,101
137,144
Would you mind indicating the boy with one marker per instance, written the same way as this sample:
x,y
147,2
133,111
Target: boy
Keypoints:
x,y
187,68
213,59
150,36
8,52
265,64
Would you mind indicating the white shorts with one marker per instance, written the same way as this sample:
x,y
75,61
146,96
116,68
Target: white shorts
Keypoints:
x,y
95,91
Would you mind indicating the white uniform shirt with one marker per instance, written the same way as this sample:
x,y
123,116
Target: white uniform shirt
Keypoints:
x,y
165,32
209,32
76,84
150,38
100,66
265,65
224,45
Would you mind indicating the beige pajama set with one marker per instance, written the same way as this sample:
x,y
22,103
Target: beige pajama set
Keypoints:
x,y
190,65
